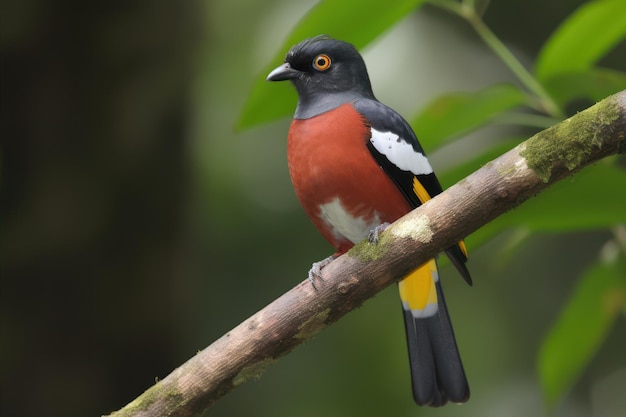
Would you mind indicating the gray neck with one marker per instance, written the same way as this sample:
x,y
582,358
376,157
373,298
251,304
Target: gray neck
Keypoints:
x,y
318,104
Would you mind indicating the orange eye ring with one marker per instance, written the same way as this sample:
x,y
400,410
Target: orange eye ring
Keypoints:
x,y
321,62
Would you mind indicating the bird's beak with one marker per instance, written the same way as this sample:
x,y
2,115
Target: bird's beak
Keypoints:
x,y
283,72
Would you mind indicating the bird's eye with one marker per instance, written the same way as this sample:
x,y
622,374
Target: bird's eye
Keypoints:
x,y
321,62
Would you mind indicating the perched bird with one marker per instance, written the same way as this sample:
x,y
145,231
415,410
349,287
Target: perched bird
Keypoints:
x,y
355,165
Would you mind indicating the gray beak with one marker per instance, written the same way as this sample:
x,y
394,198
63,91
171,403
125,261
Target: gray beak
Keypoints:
x,y
283,72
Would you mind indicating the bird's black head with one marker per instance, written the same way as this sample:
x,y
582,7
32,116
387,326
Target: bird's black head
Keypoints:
x,y
323,67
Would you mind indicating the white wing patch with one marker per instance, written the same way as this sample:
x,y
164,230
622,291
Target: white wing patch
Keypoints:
x,y
344,225
400,153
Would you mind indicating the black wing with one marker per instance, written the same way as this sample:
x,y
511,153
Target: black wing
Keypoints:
x,y
397,151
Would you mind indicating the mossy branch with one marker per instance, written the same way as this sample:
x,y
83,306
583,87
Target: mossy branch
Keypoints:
x,y
247,350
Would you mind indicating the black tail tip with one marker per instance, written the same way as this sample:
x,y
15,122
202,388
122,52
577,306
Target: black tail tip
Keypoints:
x,y
439,398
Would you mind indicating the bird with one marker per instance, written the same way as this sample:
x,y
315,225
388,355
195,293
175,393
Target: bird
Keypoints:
x,y
356,166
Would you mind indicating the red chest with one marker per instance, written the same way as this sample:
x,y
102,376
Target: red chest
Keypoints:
x,y
338,182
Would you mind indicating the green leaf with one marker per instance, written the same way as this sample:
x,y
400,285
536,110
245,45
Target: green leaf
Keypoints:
x,y
458,172
581,40
594,84
588,200
454,114
581,327
591,199
356,22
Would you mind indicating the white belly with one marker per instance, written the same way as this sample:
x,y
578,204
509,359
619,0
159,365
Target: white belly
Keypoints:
x,y
344,225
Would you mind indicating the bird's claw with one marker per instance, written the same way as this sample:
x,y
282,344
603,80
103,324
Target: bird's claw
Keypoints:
x,y
374,234
316,269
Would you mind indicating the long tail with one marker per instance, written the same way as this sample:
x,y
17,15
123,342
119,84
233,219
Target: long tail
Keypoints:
x,y
437,373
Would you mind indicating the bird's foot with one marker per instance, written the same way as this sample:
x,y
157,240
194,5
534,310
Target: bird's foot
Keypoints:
x,y
316,269
374,235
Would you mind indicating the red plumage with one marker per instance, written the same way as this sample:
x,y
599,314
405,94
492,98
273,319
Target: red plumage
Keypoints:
x,y
328,160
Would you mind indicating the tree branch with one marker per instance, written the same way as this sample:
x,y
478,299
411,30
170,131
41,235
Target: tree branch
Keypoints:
x,y
245,352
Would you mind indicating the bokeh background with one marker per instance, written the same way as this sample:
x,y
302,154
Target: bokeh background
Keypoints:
x,y
138,226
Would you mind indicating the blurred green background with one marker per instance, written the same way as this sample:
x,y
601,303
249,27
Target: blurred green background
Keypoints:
x,y
138,225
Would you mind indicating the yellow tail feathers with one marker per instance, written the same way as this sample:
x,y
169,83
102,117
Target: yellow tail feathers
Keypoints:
x,y
418,292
